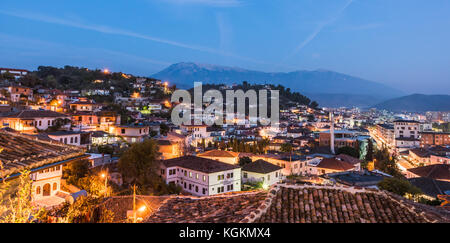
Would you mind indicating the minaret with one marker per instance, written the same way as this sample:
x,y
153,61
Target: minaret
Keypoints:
x,y
332,132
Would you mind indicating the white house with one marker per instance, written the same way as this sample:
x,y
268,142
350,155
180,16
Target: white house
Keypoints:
x,y
28,121
131,133
201,176
44,159
197,133
66,137
261,171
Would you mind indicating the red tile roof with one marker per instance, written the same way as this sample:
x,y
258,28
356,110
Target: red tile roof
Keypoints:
x,y
199,164
27,152
334,164
219,153
437,171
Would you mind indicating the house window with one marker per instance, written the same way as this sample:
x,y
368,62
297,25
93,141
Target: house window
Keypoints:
x,y
123,131
55,186
245,175
40,123
76,139
230,187
268,177
204,191
196,176
196,188
71,139
220,177
65,140
204,178
38,190
190,174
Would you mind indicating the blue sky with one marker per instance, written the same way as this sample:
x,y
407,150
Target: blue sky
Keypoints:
x,y
402,43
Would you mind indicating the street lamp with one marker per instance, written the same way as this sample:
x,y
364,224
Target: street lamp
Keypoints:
x,y
105,175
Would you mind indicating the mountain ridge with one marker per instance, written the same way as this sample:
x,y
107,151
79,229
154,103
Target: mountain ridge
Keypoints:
x,y
416,103
317,81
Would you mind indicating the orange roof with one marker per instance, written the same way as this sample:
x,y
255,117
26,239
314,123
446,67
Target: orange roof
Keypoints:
x,y
219,153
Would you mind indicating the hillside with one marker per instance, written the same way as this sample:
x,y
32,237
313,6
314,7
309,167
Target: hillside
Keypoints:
x,y
319,81
417,103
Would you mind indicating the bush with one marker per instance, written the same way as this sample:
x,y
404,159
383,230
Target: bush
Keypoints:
x,y
398,186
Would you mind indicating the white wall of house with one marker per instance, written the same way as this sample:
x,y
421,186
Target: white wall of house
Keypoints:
x,y
226,184
70,139
268,178
46,182
203,184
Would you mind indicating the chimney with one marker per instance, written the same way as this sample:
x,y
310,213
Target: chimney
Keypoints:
x,y
332,132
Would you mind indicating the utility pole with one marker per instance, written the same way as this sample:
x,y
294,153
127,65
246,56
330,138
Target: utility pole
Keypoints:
x,y
134,203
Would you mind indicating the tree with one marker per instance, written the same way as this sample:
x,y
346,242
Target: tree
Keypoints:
x,y
18,208
139,162
105,149
76,170
244,160
348,151
164,129
398,186
314,105
369,153
286,148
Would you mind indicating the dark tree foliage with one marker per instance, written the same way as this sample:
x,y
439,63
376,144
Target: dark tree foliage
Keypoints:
x,y
348,151
286,147
244,160
138,163
76,170
384,162
164,129
398,186
77,77
369,154
286,95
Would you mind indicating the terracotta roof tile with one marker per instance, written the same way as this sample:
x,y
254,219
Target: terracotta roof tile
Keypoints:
x,y
334,164
261,166
219,153
199,164
22,151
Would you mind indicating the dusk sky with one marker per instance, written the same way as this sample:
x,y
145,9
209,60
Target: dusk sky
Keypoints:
x,y
402,43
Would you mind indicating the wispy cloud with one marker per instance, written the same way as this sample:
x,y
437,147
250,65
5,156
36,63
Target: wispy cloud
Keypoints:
x,y
38,48
117,31
359,27
319,29
225,31
212,3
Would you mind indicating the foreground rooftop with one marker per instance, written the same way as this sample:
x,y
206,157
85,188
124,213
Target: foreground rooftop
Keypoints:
x,y
287,204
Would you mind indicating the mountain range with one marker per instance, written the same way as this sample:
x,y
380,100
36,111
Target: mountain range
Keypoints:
x,y
328,88
417,103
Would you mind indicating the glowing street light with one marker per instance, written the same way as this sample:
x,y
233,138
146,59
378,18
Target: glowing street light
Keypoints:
x,y
265,186
142,208
105,176
105,71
